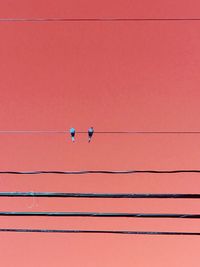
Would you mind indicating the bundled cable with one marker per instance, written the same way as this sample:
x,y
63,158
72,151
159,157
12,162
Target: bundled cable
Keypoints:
x,y
97,195
100,214
101,172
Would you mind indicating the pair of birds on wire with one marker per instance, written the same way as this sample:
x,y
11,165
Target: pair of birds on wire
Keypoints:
x,y
90,134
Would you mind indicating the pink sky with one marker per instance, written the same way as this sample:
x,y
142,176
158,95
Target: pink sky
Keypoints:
x,y
113,76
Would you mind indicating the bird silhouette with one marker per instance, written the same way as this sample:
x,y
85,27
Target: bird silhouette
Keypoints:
x,y
72,132
90,134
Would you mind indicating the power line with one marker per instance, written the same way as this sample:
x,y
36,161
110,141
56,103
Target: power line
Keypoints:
x,y
94,19
97,232
97,195
96,132
99,214
101,172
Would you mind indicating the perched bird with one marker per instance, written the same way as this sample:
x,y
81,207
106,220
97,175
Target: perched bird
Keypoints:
x,y
90,134
72,132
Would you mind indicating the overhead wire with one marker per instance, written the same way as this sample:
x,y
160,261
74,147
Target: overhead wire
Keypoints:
x,y
100,172
96,132
97,19
100,214
98,195
71,231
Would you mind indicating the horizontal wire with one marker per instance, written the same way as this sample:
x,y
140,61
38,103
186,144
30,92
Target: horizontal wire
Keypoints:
x,y
96,132
99,214
93,19
32,132
96,195
100,172
96,232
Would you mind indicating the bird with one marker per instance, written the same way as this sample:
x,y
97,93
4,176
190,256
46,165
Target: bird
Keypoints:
x,y
72,132
90,134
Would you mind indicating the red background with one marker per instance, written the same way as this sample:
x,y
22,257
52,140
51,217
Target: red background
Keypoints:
x,y
113,76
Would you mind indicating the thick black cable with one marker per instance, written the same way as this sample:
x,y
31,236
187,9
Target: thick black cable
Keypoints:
x,y
96,232
100,172
97,195
99,214
93,19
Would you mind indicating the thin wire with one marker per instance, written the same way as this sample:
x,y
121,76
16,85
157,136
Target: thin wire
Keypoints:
x,y
98,132
99,171
96,232
96,195
93,19
99,214
32,132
